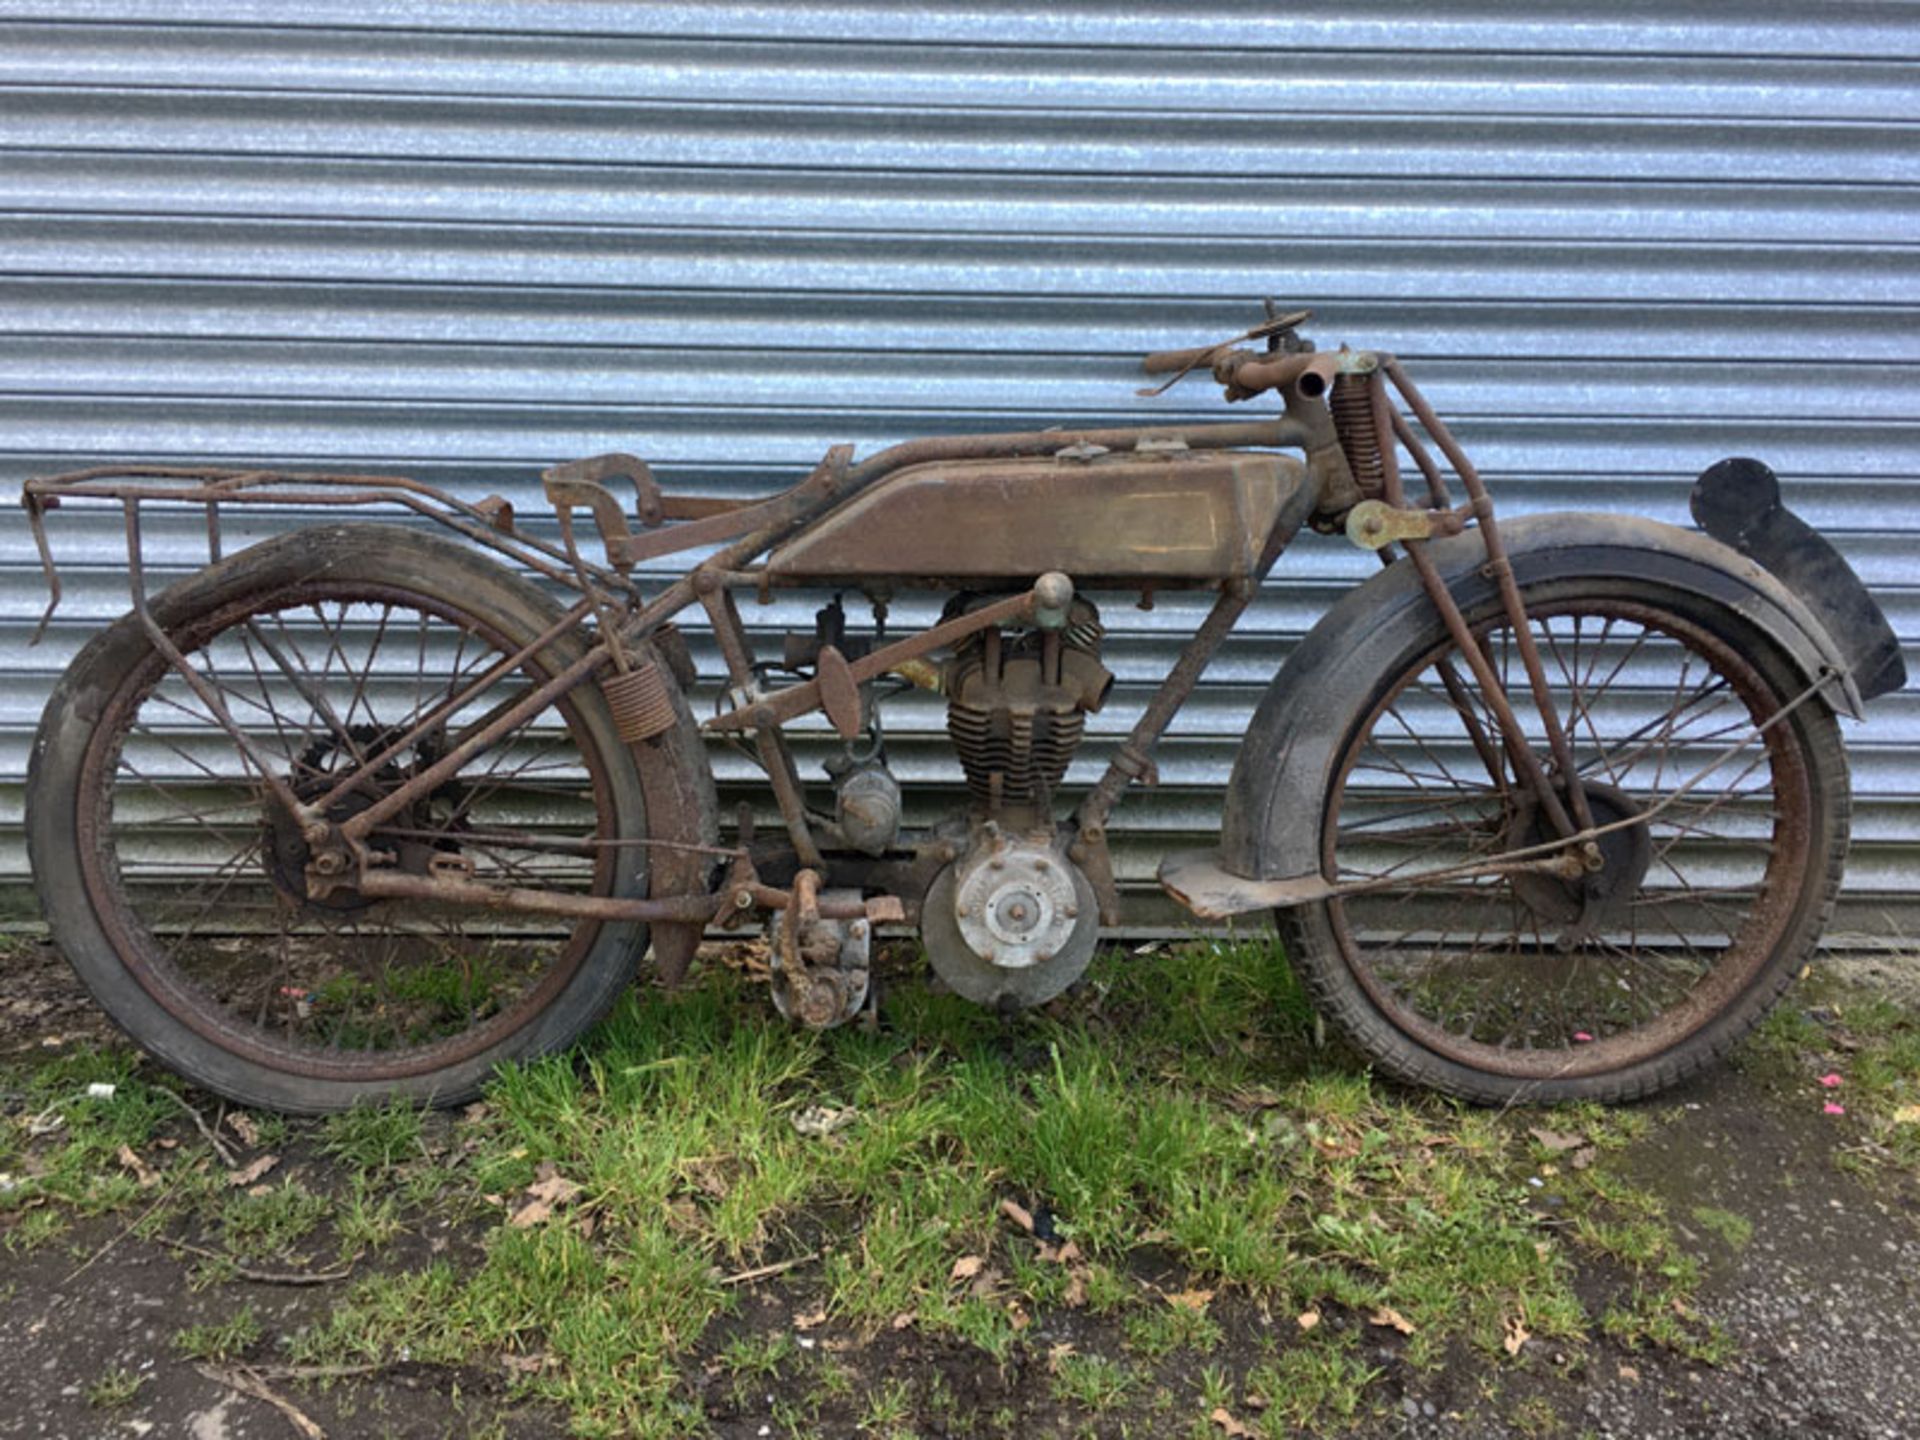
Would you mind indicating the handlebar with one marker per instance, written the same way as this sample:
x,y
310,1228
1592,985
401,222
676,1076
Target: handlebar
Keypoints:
x,y
1161,361
1248,372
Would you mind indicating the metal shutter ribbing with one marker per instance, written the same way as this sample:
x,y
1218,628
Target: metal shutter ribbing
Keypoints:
x,y
469,239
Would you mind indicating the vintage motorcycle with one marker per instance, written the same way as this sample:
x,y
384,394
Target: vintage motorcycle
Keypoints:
x,y
1545,810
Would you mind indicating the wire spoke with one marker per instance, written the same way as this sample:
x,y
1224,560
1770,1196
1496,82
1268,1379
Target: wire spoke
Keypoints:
x,y
1522,968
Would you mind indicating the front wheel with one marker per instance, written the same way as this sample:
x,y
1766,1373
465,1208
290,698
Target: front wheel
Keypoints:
x,y
176,884
1508,987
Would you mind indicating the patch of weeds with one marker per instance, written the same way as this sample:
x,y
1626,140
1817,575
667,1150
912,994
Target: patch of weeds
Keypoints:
x,y
1216,1387
1092,1382
115,1389
219,1340
1734,1230
1777,1044
985,1324
372,1137
211,1272
1200,1138
366,1223
75,1160
1311,1387
1654,1315
888,1407
270,1223
1154,1334
1536,1415
34,1229
1107,1289
757,1356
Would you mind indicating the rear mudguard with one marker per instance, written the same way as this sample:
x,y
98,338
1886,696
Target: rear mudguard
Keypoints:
x,y
683,815
1271,827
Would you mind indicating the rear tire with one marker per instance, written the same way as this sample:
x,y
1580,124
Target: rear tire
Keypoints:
x,y
179,900
1516,989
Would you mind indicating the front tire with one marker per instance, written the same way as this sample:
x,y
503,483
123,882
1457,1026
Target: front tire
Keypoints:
x,y
1508,988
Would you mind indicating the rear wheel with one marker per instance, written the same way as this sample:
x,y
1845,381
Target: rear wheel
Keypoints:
x,y
176,885
1529,987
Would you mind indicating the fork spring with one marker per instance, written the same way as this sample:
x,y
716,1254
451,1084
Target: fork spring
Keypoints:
x,y
1357,424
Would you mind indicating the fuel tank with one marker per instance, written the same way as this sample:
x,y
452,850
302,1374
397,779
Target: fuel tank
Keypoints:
x,y
1166,516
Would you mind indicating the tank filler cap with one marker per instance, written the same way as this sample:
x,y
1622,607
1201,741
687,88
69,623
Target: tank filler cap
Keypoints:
x,y
1052,594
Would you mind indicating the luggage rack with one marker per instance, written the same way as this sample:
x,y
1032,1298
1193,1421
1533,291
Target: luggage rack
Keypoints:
x,y
488,522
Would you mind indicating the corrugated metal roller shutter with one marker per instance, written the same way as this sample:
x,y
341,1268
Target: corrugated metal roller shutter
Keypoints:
x,y
468,240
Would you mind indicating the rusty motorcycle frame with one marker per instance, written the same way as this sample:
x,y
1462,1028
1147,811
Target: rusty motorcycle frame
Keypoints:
x,y
304,891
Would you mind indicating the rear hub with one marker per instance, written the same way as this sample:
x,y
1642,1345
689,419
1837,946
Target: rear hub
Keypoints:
x,y
287,852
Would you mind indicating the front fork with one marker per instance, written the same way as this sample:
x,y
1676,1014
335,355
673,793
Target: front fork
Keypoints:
x,y
1372,430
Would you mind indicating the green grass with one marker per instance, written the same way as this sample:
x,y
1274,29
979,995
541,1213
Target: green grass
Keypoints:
x,y
1170,1130
1092,1382
219,1340
372,1137
1734,1230
1203,1129
115,1389
272,1222
1872,1042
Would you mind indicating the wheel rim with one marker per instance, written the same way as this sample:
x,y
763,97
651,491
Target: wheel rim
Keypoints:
x,y
196,879
1533,978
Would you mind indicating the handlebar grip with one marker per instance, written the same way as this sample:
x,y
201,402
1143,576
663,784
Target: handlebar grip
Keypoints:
x,y
1162,361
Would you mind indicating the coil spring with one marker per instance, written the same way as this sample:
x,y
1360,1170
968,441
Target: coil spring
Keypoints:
x,y
1357,424
641,705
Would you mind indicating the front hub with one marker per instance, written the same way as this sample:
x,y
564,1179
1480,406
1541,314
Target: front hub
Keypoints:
x,y
1599,895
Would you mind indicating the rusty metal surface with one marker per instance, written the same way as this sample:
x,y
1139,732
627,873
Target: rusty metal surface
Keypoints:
x,y
1181,517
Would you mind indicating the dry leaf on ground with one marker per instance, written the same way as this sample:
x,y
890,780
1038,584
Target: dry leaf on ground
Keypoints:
x,y
555,1189
1391,1319
1076,1295
144,1174
1517,1335
546,1195
250,1172
1230,1427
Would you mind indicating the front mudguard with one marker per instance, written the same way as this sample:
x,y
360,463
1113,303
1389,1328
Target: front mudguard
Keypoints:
x,y
1737,501
1285,768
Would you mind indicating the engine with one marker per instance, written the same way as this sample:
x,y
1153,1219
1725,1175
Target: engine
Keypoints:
x,y
1017,702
